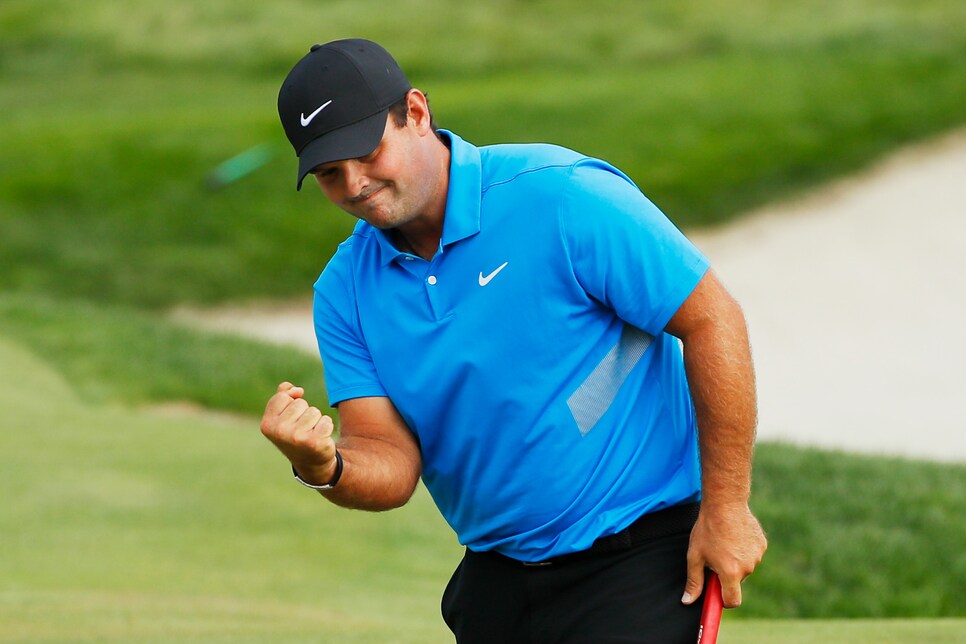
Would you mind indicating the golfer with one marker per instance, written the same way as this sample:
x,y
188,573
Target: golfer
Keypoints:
x,y
521,328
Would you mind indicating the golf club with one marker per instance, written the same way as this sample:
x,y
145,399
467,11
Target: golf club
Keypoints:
x,y
711,613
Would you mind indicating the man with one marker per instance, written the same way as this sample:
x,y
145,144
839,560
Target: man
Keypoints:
x,y
507,324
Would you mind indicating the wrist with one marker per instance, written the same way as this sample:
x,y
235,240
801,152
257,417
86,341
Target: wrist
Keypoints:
x,y
329,478
724,501
725,492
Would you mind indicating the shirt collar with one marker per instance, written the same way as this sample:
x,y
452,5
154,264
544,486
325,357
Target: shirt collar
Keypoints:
x,y
465,189
462,217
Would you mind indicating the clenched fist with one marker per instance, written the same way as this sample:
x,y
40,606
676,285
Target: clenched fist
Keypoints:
x,y
302,433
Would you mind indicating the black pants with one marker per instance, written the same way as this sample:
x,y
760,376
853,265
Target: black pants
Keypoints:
x,y
629,593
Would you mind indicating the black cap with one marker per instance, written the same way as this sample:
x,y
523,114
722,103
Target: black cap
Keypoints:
x,y
334,102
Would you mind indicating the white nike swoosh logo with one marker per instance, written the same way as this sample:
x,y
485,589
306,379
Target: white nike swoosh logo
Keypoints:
x,y
486,280
308,119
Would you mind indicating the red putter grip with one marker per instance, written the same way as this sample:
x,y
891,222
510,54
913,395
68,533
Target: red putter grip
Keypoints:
x,y
711,613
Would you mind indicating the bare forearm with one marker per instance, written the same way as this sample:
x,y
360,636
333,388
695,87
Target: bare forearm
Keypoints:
x,y
722,380
717,358
376,475
381,461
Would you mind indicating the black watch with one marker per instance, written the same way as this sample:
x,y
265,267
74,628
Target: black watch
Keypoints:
x,y
330,484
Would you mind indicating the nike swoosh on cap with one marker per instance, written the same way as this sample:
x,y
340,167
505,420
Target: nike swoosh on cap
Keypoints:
x,y
308,119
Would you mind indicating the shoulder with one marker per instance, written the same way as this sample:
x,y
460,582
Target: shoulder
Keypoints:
x,y
347,258
510,162
553,167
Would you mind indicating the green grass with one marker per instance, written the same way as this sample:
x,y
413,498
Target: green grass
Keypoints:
x,y
857,631
115,115
114,354
858,536
125,519
851,536
138,523
135,525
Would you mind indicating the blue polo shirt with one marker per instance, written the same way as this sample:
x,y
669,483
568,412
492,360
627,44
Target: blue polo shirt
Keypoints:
x,y
528,357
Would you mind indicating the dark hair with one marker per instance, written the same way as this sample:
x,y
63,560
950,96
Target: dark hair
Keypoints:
x,y
399,111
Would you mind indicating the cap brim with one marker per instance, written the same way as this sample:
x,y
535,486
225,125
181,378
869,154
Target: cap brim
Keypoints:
x,y
349,142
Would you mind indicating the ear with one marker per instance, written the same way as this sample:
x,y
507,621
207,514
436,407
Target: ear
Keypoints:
x,y
419,114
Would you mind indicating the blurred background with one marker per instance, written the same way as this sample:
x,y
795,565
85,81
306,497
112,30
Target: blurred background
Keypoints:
x,y
143,173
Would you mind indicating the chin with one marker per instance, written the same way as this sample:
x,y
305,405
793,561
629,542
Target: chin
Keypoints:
x,y
380,223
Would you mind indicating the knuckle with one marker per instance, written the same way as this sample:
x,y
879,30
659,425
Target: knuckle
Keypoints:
x,y
294,409
277,402
269,426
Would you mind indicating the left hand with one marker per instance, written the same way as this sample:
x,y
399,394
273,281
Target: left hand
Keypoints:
x,y
729,540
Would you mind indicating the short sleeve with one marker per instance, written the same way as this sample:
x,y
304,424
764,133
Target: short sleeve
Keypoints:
x,y
624,251
349,369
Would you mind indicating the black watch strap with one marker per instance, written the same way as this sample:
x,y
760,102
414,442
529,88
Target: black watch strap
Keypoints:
x,y
335,477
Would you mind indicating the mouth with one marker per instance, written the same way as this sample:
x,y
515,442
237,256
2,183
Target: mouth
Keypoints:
x,y
365,196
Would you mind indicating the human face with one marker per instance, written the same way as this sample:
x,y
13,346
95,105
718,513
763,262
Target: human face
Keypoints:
x,y
384,187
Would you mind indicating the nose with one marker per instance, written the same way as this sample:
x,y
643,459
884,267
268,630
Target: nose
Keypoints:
x,y
355,179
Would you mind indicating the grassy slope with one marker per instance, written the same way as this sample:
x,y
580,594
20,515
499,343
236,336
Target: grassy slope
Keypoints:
x,y
113,354
139,525
193,518
712,107
145,526
858,631
859,536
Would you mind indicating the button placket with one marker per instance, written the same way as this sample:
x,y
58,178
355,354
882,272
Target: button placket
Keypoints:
x,y
433,285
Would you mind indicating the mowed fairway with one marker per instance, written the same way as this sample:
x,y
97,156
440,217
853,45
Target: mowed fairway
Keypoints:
x,y
124,525
126,522
856,631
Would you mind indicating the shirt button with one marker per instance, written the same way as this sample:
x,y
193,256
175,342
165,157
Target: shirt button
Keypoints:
x,y
431,280
409,259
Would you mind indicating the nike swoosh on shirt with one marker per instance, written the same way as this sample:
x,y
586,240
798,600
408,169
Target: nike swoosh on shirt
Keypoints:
x,y
308,119
486,280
